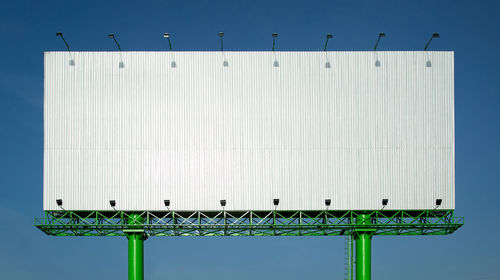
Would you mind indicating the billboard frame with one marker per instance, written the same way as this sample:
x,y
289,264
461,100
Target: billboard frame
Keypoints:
x,y
359,226
249,223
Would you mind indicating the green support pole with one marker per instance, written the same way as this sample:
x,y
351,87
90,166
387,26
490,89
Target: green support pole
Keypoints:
x,y
363,249
136,239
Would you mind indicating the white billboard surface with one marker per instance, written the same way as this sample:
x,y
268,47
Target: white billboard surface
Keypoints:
x,y
249,127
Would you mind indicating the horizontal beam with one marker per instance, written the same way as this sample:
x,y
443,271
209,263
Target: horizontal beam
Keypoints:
x,y
250,223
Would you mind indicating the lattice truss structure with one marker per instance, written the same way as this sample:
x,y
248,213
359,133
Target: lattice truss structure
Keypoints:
x,y
250,223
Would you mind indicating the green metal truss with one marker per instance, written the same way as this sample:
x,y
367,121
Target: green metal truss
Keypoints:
x,y
249,223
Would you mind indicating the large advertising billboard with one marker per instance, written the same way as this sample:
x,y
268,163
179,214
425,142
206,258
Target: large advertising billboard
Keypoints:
x,y
250,128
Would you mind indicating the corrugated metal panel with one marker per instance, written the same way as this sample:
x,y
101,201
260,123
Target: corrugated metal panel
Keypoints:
x,y
249,127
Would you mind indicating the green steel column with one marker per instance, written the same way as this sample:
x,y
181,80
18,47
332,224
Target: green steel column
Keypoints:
x,y
135,249
363,249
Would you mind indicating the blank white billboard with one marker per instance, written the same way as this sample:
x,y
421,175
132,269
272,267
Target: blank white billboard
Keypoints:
x,y
249,127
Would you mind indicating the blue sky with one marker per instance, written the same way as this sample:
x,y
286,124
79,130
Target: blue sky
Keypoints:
x,y
470,28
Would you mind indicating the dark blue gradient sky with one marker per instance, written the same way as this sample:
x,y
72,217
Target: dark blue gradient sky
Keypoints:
x,y
470,28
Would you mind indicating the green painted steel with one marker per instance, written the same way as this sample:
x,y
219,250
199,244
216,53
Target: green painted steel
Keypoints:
x,y
135,248
249,223
363,256
135,256
363,248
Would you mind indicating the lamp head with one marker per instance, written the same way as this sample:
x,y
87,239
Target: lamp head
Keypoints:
x,y
59,202
435,35
59,34
385,201
222,202
380,35
166,202
276,201
111,36
439,201
328,202
275,35
329,36
112,203
221,34
166,35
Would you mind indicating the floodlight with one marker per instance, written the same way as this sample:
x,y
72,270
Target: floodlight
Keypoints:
x,y
328,202
112,203
221,34
166,202
274,39
112,36
59,202
276,201
380,35
439,201
385,201
64,40
328,36
435,35
222,202
167,35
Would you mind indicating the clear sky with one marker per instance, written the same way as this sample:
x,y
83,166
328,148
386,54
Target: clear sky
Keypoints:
x,y
470,28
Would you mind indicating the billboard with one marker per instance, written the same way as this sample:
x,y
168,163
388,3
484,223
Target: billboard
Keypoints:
x,y
195,128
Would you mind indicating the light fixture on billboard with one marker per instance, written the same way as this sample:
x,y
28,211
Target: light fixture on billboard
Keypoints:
x,y
166,202
59,202
167,35
71,61
59,34
275,63
385,201
276,201
222,202
112,36
112,203
275,35
439,201
328,36
224,63
435,35
327,64
221,34
328,202
380,35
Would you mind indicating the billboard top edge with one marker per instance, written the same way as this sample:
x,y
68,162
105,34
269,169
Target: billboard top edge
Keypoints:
x,y
261,51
